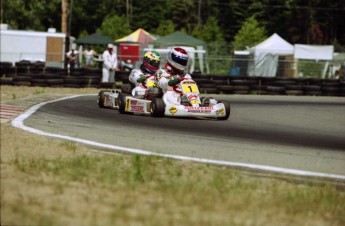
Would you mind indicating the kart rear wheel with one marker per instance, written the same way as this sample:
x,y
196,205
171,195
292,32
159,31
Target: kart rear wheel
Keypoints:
x,y
101,98
126,88
227,110
157,107
122,102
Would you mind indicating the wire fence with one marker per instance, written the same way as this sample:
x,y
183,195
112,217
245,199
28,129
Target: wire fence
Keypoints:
x,y
219,60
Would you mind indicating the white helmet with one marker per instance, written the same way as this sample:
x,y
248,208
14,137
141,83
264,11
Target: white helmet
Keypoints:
x,y
178,58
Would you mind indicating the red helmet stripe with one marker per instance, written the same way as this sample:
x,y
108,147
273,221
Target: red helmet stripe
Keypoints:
x,y
150,66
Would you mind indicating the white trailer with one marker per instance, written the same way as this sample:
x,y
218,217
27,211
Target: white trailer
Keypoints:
x,y
48,47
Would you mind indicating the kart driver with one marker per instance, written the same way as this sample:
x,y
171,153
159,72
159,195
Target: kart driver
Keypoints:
x,y
147,70
174,72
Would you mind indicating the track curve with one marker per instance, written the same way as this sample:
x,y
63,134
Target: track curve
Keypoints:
x,y
305,133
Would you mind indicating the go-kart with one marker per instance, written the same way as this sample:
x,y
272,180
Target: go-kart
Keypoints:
x,y
188,103
152,101
110,98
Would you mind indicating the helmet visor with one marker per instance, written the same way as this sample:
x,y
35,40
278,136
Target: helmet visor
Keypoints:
x,y
153,63
182,60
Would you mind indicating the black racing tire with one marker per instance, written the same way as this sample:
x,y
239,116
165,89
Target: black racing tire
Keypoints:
x,y
21,83
55,81
226,89
101,98
278,89
6,81
210,90
227,110
126,88
22,78
157,107
294,92
312,88
122,102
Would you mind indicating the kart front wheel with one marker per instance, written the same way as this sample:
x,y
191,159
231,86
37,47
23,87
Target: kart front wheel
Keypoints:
x,y
157,107
121,100
227,110
101,98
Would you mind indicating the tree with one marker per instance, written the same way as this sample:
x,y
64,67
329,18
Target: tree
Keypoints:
x,y
115,27
148,14
231,14
299,21
165,27
210,32
31,15
216,46
184,15
250,34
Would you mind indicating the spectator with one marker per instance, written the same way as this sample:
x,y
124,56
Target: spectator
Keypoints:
x,y
109,64
89,54
72,58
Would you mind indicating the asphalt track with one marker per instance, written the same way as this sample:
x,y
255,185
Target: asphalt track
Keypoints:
x,y
300,133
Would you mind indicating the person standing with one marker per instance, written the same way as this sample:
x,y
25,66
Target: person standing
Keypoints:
x,y
89,54
109,64
72,58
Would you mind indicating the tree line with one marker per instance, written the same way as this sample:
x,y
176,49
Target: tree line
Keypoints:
x,y
236,23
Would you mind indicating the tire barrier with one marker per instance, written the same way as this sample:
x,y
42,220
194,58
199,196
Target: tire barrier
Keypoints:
x,y
36,74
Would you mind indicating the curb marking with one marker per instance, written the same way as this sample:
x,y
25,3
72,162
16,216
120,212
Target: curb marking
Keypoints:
x,y
7,112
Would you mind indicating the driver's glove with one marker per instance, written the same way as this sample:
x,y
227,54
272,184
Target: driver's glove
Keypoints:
x,y
173,81
141,79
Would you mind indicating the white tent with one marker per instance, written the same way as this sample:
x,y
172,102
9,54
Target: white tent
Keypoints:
x,y
314,52
265,56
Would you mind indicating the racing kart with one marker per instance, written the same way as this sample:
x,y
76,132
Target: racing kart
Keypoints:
x,y
188,102
109,98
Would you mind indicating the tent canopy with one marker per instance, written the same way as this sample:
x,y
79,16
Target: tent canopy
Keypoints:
x,y
95,39
266,56
274,45
178,38
140,36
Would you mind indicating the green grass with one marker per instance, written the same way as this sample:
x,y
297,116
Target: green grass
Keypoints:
x,y
39,91
310,68
204,187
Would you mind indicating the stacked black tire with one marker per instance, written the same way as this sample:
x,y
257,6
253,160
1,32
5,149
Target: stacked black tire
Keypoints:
x,y
8,71
269,85
83,78
26,73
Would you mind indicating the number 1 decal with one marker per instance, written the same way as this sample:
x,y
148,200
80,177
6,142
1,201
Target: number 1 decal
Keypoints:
x,y
190,88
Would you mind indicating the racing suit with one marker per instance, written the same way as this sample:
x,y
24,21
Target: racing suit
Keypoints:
x,y
170,85
138,78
